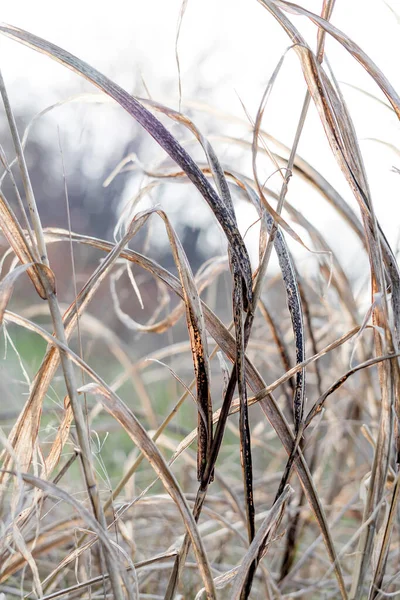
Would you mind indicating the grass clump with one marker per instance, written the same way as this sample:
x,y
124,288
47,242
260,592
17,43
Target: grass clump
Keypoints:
x,y
288,490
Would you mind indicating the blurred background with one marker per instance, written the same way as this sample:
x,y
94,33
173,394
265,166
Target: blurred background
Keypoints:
x,y
227,53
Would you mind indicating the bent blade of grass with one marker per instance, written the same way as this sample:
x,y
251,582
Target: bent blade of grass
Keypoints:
x,y
198,342
162,136
16,238
294,303
296,315
355,50
293,291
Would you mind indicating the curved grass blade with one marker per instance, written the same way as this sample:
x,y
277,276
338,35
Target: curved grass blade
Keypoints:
x,y
198,342
352,48
157,130
15,237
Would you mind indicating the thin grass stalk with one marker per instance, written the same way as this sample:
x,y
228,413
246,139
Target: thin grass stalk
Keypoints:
x,y
21,206
40,247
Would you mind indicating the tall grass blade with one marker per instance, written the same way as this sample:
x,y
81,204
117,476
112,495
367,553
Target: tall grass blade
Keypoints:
x,y
157,131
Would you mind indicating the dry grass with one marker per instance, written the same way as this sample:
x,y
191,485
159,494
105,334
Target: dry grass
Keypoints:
x,y
290,499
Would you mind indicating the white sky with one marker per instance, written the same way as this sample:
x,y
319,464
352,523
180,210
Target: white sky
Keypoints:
x,y
230,47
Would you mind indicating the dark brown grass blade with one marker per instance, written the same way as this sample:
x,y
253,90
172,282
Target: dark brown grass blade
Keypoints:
x,y
293,527
270,522
327,9
240,302
293,301
157,131
296,314
280,344
198,341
